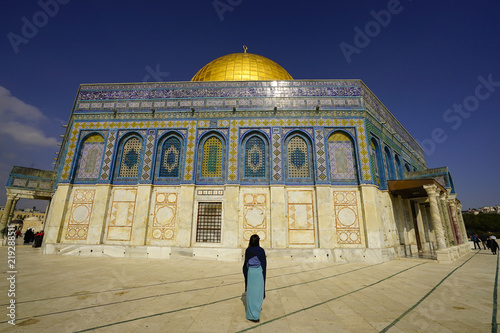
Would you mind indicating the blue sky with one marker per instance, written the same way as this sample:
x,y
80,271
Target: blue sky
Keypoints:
x,y
434,64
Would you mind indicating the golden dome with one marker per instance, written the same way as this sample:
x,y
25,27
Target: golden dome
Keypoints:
x,y
242,67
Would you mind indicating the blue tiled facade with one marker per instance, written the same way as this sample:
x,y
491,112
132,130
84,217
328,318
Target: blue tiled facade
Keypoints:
x,y
272,132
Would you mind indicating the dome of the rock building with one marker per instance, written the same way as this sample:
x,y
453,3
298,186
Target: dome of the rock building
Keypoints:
x,y
242,67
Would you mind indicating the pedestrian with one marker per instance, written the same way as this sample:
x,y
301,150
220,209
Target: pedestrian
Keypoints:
x,y
27,236
483,239
38,239
475,239
254,270
493,244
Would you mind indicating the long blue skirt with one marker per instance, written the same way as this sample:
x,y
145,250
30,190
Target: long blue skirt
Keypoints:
x,y
255,292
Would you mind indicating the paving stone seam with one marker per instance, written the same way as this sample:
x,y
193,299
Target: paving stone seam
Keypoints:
x,y
171,282
231,298
494,324
425,296
330,300
191,290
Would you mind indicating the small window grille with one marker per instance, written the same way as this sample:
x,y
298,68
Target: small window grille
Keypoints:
x,y
209,222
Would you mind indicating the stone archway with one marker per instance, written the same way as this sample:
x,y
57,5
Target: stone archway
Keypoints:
x,y
26,183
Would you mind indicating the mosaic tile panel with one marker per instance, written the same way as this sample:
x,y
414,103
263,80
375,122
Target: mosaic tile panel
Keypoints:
x,y
319,141
79,217
300,217
165,216
255,158
233,151
298,158
382,114
131,154
170,158
89,163
346,217
276,148
386,165
254,216
148,156
212,158
374,162
121,216
342,160
70,153
189,130
299,122
108,154
190,90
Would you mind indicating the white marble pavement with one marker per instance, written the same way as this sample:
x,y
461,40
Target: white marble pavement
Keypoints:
x,y
77,294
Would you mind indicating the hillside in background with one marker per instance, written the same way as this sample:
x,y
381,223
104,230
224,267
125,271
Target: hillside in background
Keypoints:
x,y
482,223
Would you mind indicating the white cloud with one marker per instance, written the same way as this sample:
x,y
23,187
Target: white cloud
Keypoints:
x,y
27,134
19,121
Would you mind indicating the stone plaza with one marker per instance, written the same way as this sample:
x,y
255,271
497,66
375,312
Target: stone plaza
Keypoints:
x,y
60,293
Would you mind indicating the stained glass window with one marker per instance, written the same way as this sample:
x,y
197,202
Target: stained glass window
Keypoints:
x,y
209,222
131,153
255,158
212,158
342,159
90,157
298,158
170,158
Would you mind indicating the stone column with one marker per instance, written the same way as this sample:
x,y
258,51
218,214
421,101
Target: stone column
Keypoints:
x,y
432,192
7,210
447,219
459,225
462,223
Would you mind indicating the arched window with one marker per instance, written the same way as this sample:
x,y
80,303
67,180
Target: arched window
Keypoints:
x,y
255,158
378,161
373,157
170,158
299,160
389,164
211,158
130,157
90,157
342,158
399,166
407,167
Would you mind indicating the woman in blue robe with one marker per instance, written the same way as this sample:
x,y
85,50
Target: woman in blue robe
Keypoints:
x,y
254,270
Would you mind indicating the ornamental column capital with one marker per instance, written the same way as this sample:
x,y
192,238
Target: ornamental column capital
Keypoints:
x,y
12,197
443,196
431,189
453,203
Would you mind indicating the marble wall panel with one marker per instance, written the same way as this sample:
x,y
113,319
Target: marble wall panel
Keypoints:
x,y
346,217
79,217
121,215
165,216
301,229
255,219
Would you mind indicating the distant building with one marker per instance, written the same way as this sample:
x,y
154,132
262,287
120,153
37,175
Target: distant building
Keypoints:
x,y
22,214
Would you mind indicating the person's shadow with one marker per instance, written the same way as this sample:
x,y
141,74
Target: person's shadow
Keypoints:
x,y
244,299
